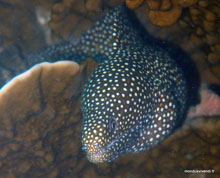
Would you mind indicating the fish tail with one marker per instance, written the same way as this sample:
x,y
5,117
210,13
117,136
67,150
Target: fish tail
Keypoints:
x,y
100,42
64,50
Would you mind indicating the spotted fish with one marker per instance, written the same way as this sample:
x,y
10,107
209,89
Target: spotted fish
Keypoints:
x,y
135,97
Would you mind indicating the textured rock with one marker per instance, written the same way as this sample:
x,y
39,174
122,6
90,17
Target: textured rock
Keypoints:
x,y
216,70
165,18
93,5
165,5
113,3
217,48
203,17
44,101
199,31
212,39
214,58
209,26
133,4
196,40
184,3
203,3
210,16
153,4
194,11
21,27
167,12
70,18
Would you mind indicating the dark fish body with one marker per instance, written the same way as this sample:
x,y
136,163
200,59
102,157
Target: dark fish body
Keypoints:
x,y
135,97
130,104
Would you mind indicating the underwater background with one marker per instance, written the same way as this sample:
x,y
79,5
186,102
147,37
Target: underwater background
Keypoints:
x,y
40,117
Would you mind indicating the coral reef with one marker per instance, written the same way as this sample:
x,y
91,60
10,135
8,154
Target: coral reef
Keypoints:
x,y
40,119
203,27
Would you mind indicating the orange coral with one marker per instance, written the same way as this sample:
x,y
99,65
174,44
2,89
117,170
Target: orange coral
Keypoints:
x,y
164,18
133,4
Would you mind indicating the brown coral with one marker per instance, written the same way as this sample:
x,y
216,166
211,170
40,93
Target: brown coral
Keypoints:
x,y
34,107
164,18
167,12
133,4
201,22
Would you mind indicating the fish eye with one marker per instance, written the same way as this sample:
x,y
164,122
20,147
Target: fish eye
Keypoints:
x,y
83,147
97,145
112,124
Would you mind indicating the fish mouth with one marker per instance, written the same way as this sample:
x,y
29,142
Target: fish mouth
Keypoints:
x,y
98,158
104,154
107,154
